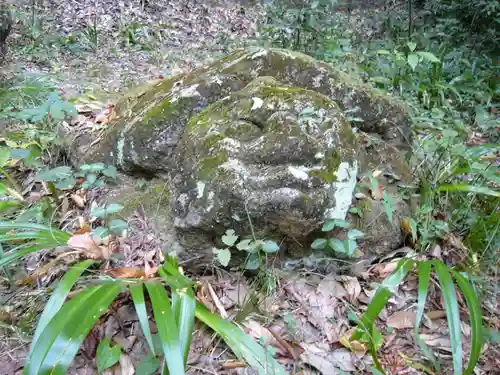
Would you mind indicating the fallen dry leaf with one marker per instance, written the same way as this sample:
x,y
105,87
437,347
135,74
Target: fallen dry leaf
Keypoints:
x,y
383,270
322,359
352,286
126,273
91,245
436,314
79,200
402,319
437,341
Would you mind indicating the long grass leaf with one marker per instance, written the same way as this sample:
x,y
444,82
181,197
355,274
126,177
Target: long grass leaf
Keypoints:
x,y
13,256
78,327
61,339
476,320
184,308
470,189
183,304
137,292
452,314
242,345
384,292
424,275
167,328
59,296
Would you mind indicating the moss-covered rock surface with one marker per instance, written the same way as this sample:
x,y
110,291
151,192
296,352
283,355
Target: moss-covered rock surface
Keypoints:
x,y
257,141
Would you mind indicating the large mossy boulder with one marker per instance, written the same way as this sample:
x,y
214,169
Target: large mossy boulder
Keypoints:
x,y
255,142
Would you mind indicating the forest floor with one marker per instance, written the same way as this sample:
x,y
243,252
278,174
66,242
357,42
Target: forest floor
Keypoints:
x,y
100,48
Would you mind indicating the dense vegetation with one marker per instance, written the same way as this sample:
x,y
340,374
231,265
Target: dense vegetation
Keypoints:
x,y
439,56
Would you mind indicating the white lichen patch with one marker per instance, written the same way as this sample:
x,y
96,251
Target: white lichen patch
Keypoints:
x,y
200,186
257,54
257,103
230,144
300,173
217,80
186,93
343,191
319,155
238,168
210,201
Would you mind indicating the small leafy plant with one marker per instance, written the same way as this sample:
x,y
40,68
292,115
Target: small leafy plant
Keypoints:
x,y
346,247
87,176
256,249
112,226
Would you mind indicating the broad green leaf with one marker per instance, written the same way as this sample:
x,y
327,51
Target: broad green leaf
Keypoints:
x,y
58,173
66,183
184,306
253,261
118,225
223,256
429,56
59,296
110,172
270,247
476,319
107,355
103,212
90,178
337,245
243,245
354,233
67,329
229,238
319,243
242,345
424,275
452,314
102,232
412,60
4,156
470,189
330,224
350,245
148,365
411,46
137,293
167,328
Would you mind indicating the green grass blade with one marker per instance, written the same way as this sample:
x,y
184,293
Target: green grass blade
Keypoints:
x,y
184,305
470,189
476,319
137,292
242,345
61,339
452,313
424,275
167,328
18,254
382,295
59,296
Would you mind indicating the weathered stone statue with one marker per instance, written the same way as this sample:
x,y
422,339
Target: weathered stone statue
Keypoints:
x,y
5,27
259,142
